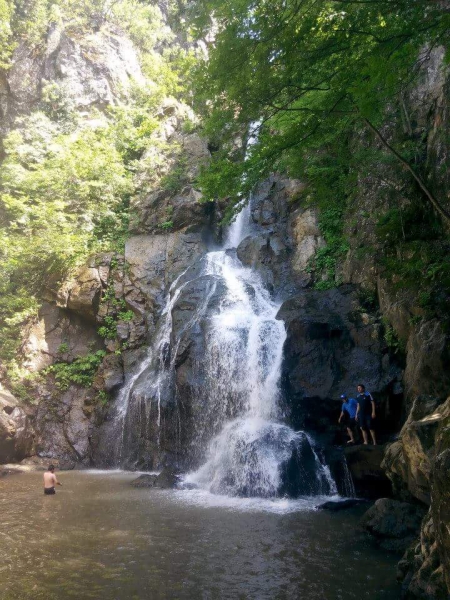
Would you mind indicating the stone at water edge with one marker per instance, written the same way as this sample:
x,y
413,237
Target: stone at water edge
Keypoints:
x,y
144,481
393,524
337,505
420,571
4,471
167,479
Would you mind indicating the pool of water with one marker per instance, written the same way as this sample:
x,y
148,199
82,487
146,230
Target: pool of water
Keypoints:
x,y
100,538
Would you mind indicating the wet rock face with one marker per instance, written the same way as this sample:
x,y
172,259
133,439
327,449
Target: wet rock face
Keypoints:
x,y
65,424
417,465
162,423
285,236
192,321
369,478
393,524
17,435
58,334
110,375
331,346
408,462
154,263
440,494
420,571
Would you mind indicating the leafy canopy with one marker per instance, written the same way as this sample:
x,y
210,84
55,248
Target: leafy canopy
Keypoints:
x,y
302,74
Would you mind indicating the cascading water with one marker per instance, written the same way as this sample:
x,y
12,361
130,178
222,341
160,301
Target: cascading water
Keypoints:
x,y
250,452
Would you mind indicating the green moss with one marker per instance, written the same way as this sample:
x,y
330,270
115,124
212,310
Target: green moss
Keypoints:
x,y
325,260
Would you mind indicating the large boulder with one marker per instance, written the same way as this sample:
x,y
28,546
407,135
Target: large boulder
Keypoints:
x,y
84,292
408,461
65,426
172,211
420,571
145,481
58,334
110,376
332,344
16,432
167,479
440,491
393,524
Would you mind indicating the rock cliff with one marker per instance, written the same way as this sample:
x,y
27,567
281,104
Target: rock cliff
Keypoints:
x,y
367,328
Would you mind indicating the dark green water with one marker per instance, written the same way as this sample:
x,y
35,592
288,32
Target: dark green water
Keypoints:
x,y
100,538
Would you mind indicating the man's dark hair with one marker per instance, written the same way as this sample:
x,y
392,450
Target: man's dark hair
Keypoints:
x,y
51,468
362,386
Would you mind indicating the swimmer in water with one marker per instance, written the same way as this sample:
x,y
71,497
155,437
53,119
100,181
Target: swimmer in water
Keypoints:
x,y
50,481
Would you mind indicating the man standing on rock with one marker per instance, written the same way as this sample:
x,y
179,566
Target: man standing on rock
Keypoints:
x,y
348,414
50,481
365,414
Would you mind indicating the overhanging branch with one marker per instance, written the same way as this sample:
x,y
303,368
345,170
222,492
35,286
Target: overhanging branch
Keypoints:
x,y
435,203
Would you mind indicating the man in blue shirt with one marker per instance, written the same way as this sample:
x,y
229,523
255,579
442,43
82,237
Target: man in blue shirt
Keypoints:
x,y
348,415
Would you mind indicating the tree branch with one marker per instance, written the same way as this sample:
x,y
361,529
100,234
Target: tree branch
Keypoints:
x,y
435,203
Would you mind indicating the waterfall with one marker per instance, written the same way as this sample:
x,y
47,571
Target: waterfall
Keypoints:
x,y
247,450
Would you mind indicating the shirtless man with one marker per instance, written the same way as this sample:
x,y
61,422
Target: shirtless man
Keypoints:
x,y
50,481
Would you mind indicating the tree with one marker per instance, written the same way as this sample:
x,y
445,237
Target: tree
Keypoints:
x,y
304,74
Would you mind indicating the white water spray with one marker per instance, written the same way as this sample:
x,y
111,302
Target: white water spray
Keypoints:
x,y
250,452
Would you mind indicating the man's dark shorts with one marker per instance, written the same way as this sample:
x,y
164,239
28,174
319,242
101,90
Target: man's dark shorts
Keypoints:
x,y
365,422
349,422
49,491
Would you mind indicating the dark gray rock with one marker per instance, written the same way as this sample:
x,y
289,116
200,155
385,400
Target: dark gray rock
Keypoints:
x,y
393,524
332,344
420,571
144,481
338,505
167,479
110,374
285,236
17,435
408,461
267,254
364,463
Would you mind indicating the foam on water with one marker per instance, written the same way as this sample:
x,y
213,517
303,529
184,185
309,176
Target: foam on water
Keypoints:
x,y
282,506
